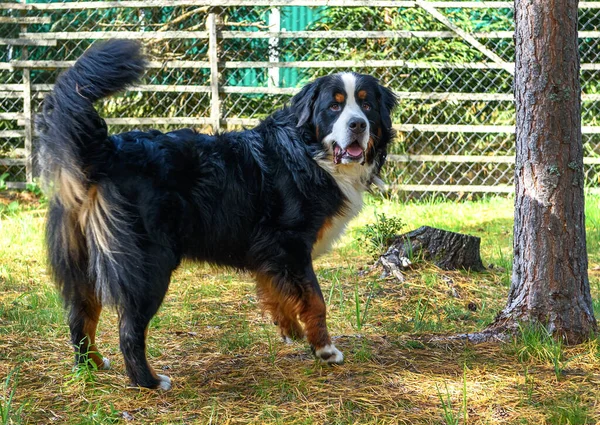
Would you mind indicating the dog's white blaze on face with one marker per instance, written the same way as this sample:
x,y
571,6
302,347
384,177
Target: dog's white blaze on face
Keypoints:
x,y
341,133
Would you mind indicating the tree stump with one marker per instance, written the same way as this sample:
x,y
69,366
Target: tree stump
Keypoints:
x,y
447,250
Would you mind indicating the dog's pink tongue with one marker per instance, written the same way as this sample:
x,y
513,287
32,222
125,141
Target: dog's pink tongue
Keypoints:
x,y
354,149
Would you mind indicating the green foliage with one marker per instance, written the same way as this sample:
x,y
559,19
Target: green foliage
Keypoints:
x,y
8,415
101,415
9,209
85,371
452,417
3,178
571,412
535,342
360,312
376,237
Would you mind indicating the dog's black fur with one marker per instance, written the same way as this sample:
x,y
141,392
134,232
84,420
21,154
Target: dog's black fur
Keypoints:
x,y
126,209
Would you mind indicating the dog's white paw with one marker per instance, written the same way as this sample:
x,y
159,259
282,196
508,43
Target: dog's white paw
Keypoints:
x,y
330,355
165,382
105,364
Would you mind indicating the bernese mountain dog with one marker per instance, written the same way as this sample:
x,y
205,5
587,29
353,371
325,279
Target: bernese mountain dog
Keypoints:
x,y
125,209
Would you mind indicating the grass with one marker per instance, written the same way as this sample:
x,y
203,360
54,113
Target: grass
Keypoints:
x,y
228,364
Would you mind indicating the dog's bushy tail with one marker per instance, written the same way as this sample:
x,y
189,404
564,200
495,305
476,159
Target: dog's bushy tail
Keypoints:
x,y
72,136
88,233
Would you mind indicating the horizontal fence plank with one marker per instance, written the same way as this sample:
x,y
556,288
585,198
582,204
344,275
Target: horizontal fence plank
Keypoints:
x,y
26,42
455,96
11,115
180,121
177,88
467,188
441,128
10,162
25,20
50,64
16,185
11,134
453,188
9,87
264,3
268,3
434,128
49,37
451,158
103,35
333,34
159,120
11,94
468,159
455,128
94,35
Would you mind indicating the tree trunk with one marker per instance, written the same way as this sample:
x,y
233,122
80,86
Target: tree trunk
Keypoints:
x,y
550,281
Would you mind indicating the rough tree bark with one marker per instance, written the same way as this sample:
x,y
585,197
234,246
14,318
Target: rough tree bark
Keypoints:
x,y
447,250
550,280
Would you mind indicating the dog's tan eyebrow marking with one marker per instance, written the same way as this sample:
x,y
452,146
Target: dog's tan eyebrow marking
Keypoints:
x,y
339,98
362,94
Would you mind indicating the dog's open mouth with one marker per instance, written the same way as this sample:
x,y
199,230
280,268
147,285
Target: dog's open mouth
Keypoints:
x,y
353,153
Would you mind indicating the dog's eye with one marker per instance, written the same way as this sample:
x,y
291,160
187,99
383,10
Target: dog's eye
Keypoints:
x,y
335,107
366,106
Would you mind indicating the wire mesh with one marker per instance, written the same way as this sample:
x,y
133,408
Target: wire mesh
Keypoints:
x,y
454,100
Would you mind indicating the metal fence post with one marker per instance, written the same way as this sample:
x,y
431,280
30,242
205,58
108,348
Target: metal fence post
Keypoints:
x,y
213,58
27,116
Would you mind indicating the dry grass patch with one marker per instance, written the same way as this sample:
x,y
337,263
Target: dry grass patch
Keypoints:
x,y
229,366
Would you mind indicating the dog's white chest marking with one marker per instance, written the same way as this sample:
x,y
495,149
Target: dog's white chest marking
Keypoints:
x,y
350,179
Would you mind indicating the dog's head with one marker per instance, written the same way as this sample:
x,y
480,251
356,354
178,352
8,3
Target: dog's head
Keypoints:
x,y
349,114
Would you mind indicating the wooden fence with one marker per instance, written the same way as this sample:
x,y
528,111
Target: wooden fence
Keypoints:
x,y
449,62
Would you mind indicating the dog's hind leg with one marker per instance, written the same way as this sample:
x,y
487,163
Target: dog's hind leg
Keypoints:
x,y
68,259
140,302
84,314
133,330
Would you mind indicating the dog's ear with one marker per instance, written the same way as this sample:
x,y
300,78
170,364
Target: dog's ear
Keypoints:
x,y
388,101
304,102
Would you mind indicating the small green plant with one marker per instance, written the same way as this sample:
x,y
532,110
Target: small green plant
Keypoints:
x,y
101,415
362,350
272,348
529,385
10,209
34,188
537,343
574,412
3,178
419,321
376,237
450,416
361,317
242,338
84,371
7,413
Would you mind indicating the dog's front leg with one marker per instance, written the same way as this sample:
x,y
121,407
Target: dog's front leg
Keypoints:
x,y
313,315
298,295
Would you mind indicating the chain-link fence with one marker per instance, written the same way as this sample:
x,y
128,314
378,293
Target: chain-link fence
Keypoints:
x,y
227,63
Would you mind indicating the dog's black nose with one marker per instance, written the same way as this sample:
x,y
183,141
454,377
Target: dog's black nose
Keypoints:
x,y
357,125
